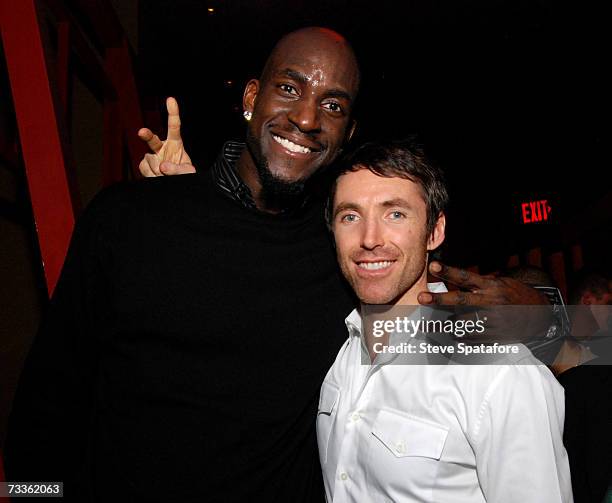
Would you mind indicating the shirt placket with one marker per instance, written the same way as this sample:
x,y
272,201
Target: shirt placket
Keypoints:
x,y
356,433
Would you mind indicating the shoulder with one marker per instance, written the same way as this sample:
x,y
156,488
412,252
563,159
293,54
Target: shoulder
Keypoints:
x,y
524,397
527,378
519,372
521,390
126,199
158,188
533,376
346,359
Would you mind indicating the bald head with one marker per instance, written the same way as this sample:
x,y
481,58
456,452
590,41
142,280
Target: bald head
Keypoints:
x,y
301,109
313,40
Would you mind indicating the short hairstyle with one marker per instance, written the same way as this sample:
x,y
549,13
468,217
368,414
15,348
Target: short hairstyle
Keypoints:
x,y
397,159
587,282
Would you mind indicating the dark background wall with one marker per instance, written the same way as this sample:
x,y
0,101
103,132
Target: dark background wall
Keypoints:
x,y
507,95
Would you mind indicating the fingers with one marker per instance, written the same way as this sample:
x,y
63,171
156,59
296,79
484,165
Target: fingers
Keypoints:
x,y
460,277
169,168
155,144
145,169
454,298
149,166
174,120
424,298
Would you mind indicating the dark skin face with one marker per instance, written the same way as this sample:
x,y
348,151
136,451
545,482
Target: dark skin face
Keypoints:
x,y
301,111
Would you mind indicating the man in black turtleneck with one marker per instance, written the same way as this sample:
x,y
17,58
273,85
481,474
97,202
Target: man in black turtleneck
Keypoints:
x,y
196,316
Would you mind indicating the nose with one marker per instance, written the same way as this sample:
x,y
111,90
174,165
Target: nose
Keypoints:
x,y
304,114
372,236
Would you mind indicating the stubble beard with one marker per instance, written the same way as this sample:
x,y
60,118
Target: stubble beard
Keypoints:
x,y
396,289
275,191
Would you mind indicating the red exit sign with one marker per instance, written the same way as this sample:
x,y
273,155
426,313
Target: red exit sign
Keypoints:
x,y
536,211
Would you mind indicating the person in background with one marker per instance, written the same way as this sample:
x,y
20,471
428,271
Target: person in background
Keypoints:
x,y
587,382
589,288
546,345
588,397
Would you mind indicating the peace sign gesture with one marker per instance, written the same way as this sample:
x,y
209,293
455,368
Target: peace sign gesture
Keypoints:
x,y
169,156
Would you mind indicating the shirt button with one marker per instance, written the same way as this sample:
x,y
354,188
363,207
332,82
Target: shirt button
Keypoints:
x,y
399,448
355,416
343,476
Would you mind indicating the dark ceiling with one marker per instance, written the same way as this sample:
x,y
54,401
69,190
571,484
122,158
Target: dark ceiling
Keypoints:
x,y
506,95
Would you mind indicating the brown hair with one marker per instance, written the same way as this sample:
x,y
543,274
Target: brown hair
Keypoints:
x,y
397,159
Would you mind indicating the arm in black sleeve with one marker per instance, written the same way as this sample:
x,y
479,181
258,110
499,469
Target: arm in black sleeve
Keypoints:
x,y
50,422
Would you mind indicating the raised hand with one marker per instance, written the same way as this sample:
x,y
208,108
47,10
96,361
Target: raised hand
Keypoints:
x,y
477,290
169,157
489,291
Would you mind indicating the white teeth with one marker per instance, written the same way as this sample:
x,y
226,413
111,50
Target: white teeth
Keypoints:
x,y
292,147
374,266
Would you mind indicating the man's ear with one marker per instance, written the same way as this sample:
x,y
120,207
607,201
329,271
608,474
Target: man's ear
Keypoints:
x,y
436,238
250,93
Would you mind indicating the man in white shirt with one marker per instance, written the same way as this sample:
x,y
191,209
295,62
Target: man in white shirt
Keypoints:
x,y
426,433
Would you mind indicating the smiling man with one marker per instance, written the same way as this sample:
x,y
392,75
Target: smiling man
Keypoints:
x,y
196,316
298,119
397,429
300,111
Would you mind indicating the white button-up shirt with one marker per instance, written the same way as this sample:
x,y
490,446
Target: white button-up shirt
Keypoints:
x,y
440,433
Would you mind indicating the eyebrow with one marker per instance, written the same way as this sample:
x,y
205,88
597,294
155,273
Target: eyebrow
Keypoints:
x,y
302,79
397,201
389,203
345,207
295,75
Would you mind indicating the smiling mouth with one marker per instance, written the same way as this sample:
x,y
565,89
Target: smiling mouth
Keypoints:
x,y
290,146
375,266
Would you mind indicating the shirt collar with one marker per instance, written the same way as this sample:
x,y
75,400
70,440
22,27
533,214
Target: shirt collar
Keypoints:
x,y
229,182
225,176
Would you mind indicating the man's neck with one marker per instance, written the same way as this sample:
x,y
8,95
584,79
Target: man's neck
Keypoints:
x,y
247,171
409,298
245,167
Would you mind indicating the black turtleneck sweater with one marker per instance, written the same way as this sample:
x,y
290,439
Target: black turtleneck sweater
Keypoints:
x,y
183,351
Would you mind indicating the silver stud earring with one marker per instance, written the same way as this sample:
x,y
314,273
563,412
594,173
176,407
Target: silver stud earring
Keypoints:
x,y
247,115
